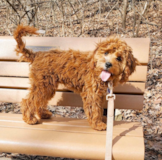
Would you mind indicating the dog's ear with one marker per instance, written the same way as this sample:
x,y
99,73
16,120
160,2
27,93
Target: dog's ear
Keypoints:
x,y
131,63
93,63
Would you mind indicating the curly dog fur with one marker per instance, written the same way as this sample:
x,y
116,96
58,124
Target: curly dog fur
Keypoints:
x,y
79,71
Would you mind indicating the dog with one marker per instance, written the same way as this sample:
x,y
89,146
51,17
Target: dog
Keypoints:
x,y
87,73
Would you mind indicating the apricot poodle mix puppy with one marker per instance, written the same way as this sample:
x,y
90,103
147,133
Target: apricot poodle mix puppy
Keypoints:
x,y
86,73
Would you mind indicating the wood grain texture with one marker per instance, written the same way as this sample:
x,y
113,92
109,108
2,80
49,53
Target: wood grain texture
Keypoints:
x,y
70,99
140,46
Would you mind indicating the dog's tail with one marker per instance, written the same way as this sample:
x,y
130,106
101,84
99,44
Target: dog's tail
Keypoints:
x,y
27,54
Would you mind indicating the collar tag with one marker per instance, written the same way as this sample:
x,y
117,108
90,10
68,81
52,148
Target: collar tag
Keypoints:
x,y
108,90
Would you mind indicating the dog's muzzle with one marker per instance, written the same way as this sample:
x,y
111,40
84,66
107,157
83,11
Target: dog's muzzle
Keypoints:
x,y
108,65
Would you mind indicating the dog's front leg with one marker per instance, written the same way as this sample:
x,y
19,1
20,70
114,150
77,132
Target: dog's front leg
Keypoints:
x,y
92,104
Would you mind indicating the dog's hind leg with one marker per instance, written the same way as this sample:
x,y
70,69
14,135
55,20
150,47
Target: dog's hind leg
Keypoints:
x,y
47,94
45,113
36,103
28,111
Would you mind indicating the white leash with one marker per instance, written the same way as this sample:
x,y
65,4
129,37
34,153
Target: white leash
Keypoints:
x,y
110,119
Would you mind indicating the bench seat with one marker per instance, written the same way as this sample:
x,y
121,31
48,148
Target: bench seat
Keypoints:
x,y
71,138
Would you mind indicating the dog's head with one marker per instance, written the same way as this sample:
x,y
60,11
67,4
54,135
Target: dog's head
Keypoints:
x,y
114,59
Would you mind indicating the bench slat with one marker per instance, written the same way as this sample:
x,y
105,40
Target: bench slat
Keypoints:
x,y
59,143
140,46
72,99
22,69
14,69
23,83
70,125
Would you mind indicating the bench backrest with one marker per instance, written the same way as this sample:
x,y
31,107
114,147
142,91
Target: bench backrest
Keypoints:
x,y
14,79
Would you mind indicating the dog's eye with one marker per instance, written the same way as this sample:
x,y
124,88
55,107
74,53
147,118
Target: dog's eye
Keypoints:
x,y
106,53
119,58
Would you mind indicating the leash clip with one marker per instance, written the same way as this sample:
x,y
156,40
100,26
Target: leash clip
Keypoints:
x,y
110,91
109,96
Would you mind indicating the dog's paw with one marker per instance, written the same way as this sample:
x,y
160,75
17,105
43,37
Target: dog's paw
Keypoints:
x,y
100,126
46,114
32,120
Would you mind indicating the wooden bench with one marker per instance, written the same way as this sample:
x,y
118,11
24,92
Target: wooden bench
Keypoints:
x,y
65,137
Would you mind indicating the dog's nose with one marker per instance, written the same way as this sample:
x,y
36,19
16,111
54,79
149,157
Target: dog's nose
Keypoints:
x,y
108,64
